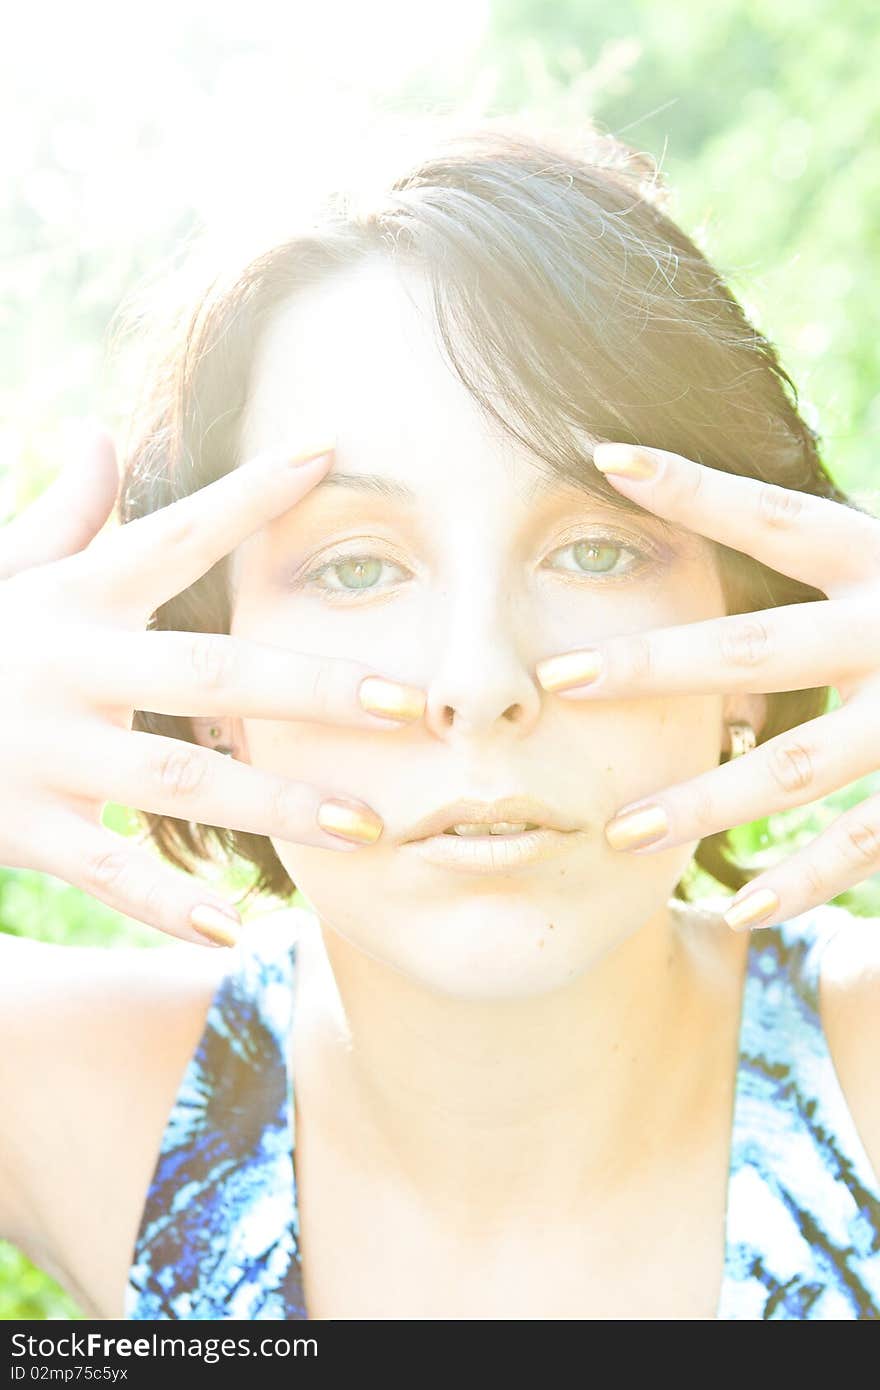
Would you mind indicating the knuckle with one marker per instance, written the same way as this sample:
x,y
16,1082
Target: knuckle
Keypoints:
x,y
288,806
790,764
860,843
702,811
744,642
814,880
779,506
639,660
212,659
152,900
686,484
106,869
326,685
181,771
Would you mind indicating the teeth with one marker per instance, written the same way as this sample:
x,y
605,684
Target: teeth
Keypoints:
x,y
500,827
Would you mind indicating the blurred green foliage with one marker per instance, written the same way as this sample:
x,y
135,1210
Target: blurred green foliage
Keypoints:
x,y
762,119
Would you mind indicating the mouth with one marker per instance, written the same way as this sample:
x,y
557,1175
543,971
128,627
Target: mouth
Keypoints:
x,y
506,817
501,849
472,831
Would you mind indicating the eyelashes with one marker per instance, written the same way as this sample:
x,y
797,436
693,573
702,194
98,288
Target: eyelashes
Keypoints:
x,y
600,552
360,567
358,573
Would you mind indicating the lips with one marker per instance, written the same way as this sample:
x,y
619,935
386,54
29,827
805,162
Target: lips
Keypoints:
x,y
507,814
471,829
503,857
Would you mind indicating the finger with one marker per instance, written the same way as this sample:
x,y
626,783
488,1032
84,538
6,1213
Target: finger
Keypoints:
x,y
69,514
171,777
134,881
213,674
799,646
798,766
820,542
160,554
840,857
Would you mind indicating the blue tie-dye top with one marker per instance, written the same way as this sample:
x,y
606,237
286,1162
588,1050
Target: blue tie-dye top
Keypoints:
x,y
219,1234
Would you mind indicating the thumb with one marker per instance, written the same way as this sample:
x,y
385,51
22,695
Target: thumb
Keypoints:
x,y
88,483
70,513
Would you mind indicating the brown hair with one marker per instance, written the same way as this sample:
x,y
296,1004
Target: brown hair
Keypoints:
x,y
570,306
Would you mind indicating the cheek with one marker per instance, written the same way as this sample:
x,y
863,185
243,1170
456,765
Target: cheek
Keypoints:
x,y
334,760
649,745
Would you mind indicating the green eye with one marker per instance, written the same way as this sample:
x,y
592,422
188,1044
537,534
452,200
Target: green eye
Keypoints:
x,y
343,576
596,558
600,555
350,576
359,572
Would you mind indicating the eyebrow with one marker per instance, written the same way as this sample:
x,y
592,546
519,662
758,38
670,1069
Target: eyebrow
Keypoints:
x,y
379,485
394,491
370,482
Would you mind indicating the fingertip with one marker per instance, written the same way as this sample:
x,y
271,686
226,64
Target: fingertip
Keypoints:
x,y
752,909
214,924
90,450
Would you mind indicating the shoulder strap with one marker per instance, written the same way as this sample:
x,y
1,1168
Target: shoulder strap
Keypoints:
x,y
803,1221
219,1236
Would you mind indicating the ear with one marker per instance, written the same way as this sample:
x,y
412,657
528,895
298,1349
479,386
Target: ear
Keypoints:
x,y
750,709
225,733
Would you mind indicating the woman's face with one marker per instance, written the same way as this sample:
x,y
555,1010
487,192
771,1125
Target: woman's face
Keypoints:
x,y
458,578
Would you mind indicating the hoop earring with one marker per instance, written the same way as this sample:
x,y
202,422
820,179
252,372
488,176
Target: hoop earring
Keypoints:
x,y
742,738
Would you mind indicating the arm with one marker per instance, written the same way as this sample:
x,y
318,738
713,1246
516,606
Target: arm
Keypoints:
x,y
93,1046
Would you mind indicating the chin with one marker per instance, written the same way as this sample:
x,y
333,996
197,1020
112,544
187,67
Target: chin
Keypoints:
x,y
487,938
480,948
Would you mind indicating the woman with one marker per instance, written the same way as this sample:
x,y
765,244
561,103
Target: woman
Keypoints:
x,y
506,1064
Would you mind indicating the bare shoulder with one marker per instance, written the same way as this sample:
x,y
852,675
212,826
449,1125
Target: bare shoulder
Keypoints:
x,y
94,1044
84,1031
50,993
75,980
849,999
70,1014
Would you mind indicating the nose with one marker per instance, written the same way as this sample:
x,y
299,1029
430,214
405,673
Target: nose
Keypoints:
x,y
481,686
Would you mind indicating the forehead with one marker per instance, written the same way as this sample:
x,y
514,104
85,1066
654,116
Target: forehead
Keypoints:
x,y
358,357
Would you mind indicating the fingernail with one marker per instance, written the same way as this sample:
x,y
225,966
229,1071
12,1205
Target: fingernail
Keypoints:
x,y
391,700
763,902
216,926
572,668
624,459
365,827
312,455
637,828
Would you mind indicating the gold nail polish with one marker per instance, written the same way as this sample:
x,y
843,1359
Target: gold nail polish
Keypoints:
x,y
752,908
215,925
637,828
363,826
391,700
310,455
624,459
570,669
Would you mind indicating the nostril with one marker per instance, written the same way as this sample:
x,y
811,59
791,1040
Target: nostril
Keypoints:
x,y
513,714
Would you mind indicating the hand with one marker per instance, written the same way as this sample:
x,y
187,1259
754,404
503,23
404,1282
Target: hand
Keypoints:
x,y
800,646
77,663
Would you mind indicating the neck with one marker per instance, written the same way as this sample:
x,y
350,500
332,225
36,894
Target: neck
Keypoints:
x,y
478,1105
